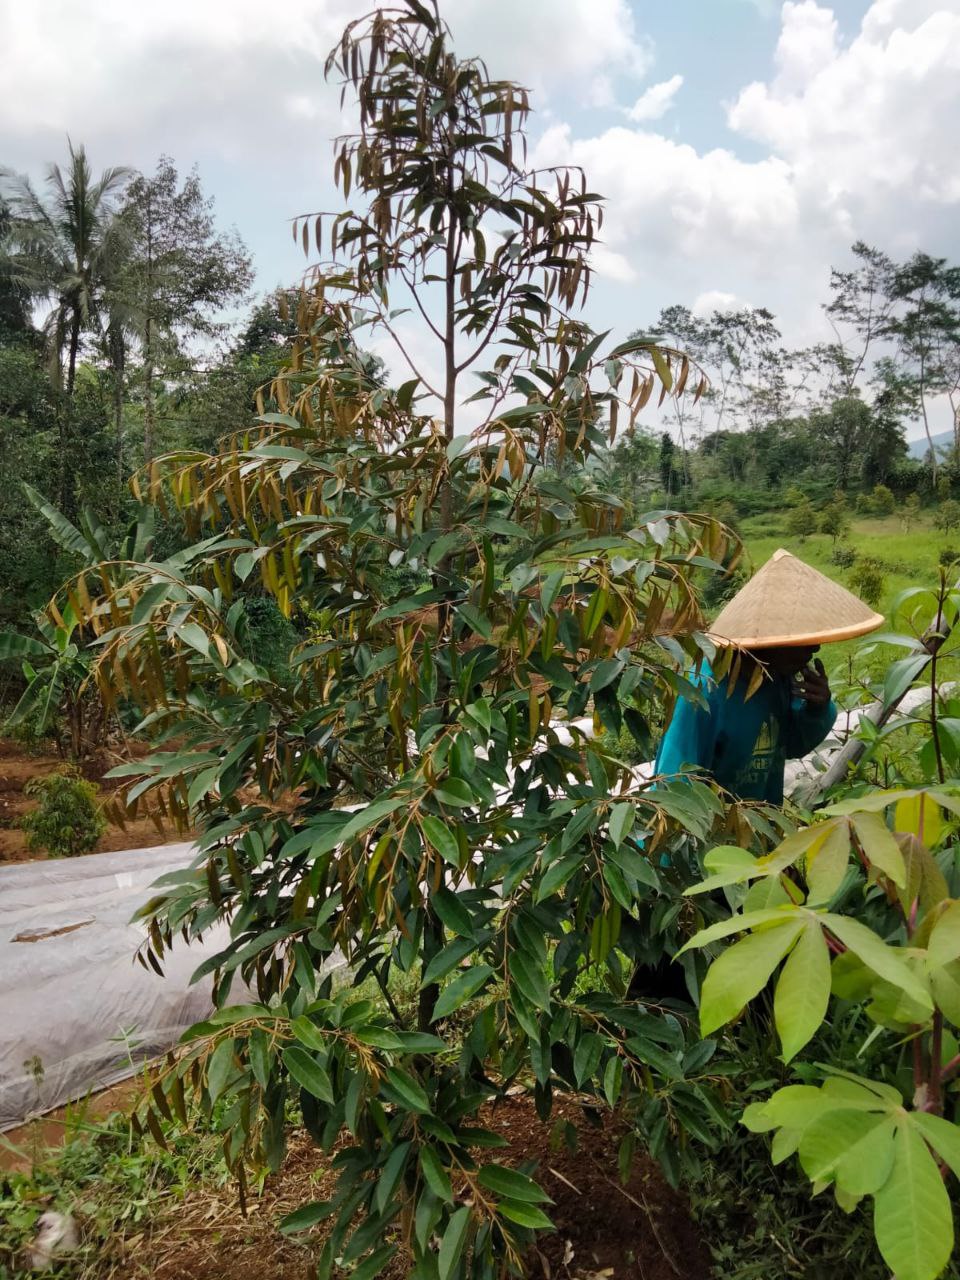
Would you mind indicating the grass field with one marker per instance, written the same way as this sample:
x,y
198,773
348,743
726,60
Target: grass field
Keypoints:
x,y
911,559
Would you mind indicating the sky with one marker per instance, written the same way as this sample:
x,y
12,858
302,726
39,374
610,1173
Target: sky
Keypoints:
x,y
742,145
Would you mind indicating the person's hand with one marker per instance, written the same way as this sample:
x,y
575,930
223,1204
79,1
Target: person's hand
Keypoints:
x,y
814,685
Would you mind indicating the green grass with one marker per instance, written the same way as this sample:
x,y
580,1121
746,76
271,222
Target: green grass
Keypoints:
x,y
912,558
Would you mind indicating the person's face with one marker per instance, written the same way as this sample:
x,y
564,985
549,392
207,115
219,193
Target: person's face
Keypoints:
x,y
788,661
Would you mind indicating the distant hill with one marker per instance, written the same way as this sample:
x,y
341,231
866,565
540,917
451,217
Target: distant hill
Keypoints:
x,y
920,448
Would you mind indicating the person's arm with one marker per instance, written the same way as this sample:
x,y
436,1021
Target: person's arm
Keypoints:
x,y
810,723
691,735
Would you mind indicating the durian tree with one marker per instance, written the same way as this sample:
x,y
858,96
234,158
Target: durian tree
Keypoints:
x,y
425,793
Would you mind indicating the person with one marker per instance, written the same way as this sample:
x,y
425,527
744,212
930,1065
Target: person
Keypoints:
x,y
742,737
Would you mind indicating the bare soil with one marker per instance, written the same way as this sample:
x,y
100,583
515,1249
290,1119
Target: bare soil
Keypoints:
x,y
605,1231
18,766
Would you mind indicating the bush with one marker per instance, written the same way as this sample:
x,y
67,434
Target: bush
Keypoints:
x,y
867,579
947,515
67,821
949,555
836,519
882,500
843,557
910,510
723,587
802,520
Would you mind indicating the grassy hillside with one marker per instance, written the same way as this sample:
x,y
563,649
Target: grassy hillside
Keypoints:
x,y
910,558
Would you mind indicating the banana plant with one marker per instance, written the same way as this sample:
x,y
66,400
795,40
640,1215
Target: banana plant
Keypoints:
x,y
56,661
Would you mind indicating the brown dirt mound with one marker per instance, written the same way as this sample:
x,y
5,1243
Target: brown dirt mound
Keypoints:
x,y
18,766
605,1231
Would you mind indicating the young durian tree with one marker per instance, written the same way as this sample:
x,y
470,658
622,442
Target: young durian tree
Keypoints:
x,y
422,794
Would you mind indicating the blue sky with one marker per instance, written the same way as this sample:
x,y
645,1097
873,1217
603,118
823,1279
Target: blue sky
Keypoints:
x,y
742,145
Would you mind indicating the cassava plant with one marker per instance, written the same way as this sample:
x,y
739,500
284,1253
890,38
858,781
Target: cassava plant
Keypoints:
x,y
857,910
406,800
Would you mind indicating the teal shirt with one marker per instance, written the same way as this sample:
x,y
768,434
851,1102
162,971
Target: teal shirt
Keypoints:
x,y
743,743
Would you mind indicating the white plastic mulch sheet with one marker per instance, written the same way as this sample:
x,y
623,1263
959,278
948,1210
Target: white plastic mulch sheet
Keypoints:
x,y
75,1005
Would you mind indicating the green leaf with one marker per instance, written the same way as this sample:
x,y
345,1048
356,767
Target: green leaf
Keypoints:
x,y
260,1057
613,1080
622,817
803,991
442,838
308,1033
943,1136
452,912
374,1264
827,864
389,1179
737,924
913,1221
742,972
400,1087
530,978
885,961
727,864
463,988
944,944
219,1068
308,1215
475,620
437,1178
420,1042
195,636
455,792
586,1056
451,955
880,847
452,1243
525,1215
557,875
511,1184
360,822
308,1073
854,1148
794,1107
16,646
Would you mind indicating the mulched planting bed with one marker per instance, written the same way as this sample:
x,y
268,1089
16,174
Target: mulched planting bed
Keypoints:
x,y
641,1231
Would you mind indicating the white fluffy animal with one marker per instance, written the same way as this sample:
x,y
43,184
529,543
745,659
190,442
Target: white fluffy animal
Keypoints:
x,y
56,1235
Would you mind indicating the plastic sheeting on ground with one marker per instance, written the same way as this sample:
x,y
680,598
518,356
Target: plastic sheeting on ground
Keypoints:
x,y
77,1012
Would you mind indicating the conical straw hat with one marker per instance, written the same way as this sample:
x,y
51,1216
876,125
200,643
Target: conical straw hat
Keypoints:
x,y
788,603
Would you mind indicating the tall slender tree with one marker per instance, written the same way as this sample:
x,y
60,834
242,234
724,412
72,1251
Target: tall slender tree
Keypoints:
x,y
62,248
183,272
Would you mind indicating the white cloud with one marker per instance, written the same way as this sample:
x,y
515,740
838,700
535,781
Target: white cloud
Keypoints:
x,y
656,101
854,143
574,47
665,197
711,300
866,122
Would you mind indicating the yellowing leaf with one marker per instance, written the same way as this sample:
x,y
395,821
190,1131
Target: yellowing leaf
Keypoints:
x,y
803,991
913,1221
880,846
742,972
921,817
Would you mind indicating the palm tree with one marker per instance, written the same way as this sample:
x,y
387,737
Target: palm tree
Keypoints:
x,y
64,250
